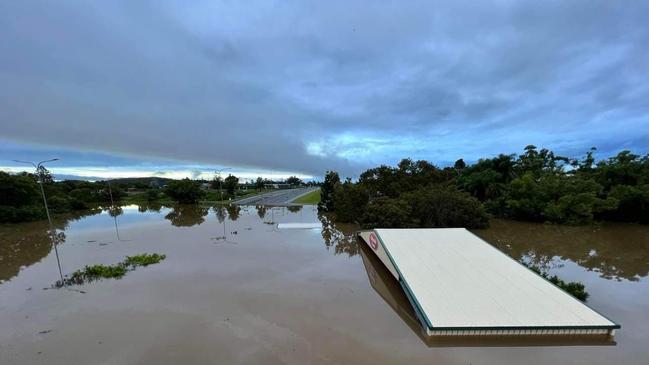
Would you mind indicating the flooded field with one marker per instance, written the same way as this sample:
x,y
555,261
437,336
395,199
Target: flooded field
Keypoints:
x,y
235,289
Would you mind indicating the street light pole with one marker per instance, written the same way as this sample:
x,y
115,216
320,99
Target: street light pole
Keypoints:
x,y
112,206
218,172
39,172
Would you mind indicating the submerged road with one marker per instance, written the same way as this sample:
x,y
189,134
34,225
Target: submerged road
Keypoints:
x,y
276,197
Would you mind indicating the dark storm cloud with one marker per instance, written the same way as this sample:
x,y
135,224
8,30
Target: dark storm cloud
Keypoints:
x,y
306,87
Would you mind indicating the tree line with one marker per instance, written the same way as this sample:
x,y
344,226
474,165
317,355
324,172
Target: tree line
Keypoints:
x,y
537,185
21,200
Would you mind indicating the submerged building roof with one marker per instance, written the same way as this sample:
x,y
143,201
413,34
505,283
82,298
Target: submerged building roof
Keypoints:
x,y
459,284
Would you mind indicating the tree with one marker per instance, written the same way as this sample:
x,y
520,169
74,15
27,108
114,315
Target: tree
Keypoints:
x,y
538,162
351,200
294,181
184,191
260,183
105,192
488,178
380,181
459,165
331,182
230,184
387,212
18,190
82,194
152,194
633,204
217,182
625,168
20,199
556,198
445,206
44,175
586,164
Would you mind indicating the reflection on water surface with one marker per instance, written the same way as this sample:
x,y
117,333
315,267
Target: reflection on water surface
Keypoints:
x,y
615,251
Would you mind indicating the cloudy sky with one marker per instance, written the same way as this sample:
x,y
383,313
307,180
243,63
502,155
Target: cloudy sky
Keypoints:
x,y
177,88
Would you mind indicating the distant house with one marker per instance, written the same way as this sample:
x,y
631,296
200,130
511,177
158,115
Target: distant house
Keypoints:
x,y
205,186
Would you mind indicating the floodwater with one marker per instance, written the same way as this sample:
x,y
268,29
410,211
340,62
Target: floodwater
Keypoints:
x,y
234,289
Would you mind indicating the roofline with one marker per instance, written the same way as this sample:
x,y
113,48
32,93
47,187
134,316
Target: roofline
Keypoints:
x,y
506,328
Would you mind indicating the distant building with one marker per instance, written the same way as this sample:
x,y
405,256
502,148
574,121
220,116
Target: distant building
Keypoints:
x,y
277,186
246,186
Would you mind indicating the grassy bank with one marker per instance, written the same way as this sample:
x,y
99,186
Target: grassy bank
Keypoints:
x,y
311,198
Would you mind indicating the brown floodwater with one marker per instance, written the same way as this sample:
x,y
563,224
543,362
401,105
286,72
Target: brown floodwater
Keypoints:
x,y
235,289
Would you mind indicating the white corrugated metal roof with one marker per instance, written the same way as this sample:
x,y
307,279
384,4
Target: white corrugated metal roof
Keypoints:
x,y
299,225
459,281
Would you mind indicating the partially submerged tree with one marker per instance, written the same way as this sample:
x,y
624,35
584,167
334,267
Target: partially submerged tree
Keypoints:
x,y
331,182
260,183
217,182
351,200
294,181
19,199
230,184
184,191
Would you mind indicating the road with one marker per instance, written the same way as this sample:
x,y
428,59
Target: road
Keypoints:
x,y
276,197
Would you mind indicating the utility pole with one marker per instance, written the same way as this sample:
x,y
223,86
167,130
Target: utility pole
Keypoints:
x,y
39,171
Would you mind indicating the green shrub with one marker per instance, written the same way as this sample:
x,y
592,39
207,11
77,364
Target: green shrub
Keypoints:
x,y
92,273
100,271
144,259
